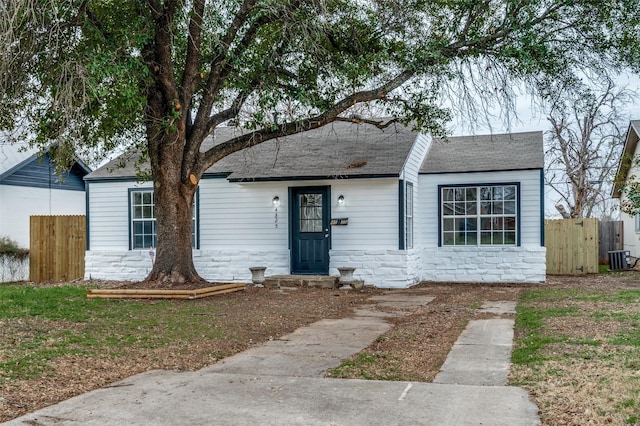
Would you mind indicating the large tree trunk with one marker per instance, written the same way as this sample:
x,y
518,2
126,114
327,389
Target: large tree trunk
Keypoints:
x,y
173,199
173,209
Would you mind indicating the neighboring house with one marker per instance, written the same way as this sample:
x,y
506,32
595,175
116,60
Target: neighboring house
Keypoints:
x,y
628,171
30,186
392,203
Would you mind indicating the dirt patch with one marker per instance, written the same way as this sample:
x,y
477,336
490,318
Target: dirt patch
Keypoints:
x,y
417,345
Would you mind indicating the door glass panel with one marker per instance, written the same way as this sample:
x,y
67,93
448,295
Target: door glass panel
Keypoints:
x,y
310,212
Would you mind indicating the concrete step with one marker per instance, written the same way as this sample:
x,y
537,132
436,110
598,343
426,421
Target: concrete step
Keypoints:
x,y
324,281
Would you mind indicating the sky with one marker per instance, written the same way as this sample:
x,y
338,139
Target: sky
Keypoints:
x,y
532,120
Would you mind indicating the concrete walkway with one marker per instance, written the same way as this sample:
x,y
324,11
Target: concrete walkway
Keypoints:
x,y
481,355
281,383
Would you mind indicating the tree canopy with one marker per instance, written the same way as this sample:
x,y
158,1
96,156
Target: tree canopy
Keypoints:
x,y
584,147
161,76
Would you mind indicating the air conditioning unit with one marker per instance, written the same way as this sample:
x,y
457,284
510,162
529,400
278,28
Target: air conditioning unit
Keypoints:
x,y
619,260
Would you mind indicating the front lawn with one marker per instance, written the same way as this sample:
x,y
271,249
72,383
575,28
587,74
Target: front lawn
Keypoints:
x,y
577,350
55,343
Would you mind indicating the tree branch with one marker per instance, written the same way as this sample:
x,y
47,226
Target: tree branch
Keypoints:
x,y
191,76
164,72
250,139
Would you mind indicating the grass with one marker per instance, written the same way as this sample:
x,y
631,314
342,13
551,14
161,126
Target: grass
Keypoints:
x,y
579,351
61,321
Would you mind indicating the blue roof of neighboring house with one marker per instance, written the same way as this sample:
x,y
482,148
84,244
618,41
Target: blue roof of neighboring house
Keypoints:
x,y
40,172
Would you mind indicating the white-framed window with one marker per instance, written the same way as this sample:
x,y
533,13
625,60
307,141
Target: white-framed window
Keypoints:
x,y
479,215
408,215
143,220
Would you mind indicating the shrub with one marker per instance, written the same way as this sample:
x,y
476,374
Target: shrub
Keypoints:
x,y
13,259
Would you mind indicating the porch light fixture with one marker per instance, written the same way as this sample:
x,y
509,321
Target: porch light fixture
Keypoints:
x,y
275,201
341,200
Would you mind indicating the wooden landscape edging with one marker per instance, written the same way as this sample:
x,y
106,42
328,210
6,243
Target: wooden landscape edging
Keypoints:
x,y
123,293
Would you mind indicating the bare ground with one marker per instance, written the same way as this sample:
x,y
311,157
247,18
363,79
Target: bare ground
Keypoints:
x,y
413,350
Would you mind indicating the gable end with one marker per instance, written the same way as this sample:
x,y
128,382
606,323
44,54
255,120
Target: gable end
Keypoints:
x,y
38,172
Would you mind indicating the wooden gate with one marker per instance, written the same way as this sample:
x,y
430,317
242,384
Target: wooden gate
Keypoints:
x,y
611,239
572,246
57,248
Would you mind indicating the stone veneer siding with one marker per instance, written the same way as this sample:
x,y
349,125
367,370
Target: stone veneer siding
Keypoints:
x,y
214,265
488,264
381,268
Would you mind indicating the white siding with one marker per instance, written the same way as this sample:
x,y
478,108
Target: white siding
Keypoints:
x,y
372,208
18,203
530,202
241,215
415,158
109,214
631,237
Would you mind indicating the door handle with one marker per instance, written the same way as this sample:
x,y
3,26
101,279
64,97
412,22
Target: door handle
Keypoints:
x,y
326,235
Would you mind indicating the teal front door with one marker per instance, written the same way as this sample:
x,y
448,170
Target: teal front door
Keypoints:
x,y
310,230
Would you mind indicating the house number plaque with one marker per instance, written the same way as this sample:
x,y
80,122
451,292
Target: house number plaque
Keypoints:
x,y
340,221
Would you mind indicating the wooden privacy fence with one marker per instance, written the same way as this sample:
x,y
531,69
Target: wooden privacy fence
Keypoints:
x,y
572,246
57,247
611,236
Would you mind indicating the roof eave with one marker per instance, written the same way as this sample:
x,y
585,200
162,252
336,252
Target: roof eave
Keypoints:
x,y
630,145
316,177
479,171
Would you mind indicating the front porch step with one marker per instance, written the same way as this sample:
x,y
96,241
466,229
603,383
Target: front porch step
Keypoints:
x,y
324,281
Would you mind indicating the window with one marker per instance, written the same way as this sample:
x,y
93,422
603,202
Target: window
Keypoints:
x,y
310,212
408,216
143,220
479,215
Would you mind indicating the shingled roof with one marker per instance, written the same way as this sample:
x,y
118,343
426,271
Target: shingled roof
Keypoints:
x,y
484,153
337,150
626,158
349,150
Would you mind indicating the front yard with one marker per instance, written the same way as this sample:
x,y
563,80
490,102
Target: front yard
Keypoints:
x,y
577,347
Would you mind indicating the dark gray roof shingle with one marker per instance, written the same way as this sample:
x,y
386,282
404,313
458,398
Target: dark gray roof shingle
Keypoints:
x,y
344,150
499,152
336,150
339,149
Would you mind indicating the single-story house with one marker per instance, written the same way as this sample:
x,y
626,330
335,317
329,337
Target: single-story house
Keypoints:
x,y
29,186
395,204
628,171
